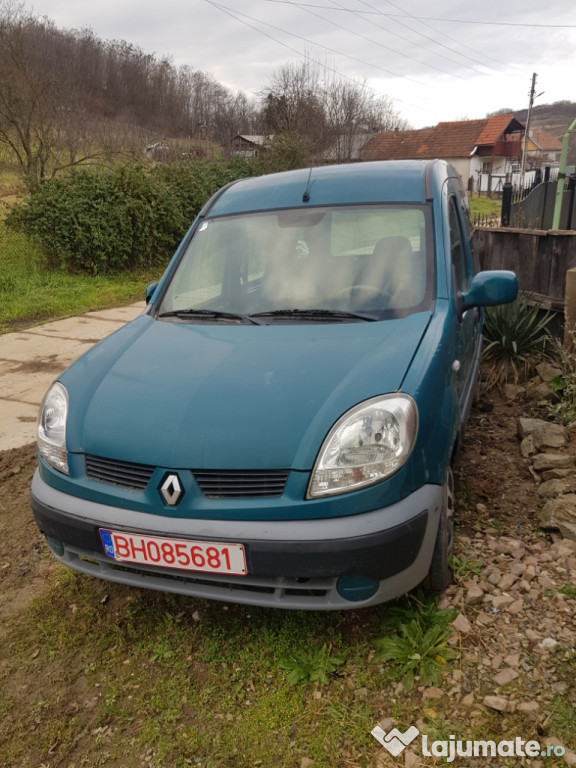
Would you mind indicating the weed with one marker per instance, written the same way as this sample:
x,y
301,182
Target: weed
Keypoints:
x,y
497,525
561,719
416,641
516,338
569,590
463,568
311,665
162,651
563,409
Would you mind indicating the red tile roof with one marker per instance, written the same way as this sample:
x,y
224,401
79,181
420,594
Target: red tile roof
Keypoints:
x,y
545,141
455,139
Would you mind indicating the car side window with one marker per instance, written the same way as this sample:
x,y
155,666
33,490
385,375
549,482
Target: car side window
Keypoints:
x,y
457,249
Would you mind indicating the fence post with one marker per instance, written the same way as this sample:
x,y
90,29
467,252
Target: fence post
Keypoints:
x,y
506,204
572,190
570,309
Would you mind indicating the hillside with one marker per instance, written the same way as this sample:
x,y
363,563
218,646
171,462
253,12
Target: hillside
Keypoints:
x,y
555,120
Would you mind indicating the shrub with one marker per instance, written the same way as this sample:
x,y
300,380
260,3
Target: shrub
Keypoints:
x,y
129,217
516,338
563,409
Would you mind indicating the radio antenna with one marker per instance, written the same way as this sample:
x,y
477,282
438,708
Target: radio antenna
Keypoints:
x,y
306,195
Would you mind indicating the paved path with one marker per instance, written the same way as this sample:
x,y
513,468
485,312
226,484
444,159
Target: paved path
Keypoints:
x,y
30,361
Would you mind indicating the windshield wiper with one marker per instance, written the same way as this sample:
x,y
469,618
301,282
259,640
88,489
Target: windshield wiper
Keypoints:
x,y
318,314
209,313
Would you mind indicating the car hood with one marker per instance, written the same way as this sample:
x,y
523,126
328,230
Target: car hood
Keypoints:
x,y
225,396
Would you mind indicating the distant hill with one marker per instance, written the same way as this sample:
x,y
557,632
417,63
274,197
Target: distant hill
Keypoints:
x,y
555,120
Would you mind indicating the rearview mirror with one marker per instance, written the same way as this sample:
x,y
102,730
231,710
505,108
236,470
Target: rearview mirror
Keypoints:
x,y
150,291
490,288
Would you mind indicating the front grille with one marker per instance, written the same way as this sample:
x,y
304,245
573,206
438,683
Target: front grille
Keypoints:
x,y
247,484
124,474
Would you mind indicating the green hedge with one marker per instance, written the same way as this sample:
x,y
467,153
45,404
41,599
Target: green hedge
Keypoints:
x,y
129,217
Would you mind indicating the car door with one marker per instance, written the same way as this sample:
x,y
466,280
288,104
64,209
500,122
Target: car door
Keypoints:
x,y
466,365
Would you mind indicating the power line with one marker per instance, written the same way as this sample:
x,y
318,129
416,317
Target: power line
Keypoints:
x,y
237,14
425,18
378,43
411,16
411,42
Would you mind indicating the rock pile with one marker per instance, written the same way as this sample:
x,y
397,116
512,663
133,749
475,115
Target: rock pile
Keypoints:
x,y
544,445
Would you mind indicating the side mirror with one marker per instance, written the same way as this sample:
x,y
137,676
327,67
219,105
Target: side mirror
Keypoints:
x,y
150,291
490,288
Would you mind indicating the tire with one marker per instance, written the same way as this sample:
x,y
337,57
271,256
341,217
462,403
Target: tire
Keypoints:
x,y
440,574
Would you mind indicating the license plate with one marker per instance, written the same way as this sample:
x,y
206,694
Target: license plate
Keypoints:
x,y
180,554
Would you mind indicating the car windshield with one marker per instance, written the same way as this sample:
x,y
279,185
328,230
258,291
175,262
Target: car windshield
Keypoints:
x,y
352,263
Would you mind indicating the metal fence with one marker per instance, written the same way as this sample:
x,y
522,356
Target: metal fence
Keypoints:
x,y
533,206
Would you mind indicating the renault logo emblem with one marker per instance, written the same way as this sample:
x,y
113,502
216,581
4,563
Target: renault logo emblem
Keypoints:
x,y
171,490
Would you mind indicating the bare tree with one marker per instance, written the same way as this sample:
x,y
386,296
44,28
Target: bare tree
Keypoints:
x,y
329,114
45,121
293,104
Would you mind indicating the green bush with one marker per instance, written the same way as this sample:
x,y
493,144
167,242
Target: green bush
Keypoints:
x,y
130,217
516,339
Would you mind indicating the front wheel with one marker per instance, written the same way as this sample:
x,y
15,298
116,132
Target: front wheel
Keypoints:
x,y
440,574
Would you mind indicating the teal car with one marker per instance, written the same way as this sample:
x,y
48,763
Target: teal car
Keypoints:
x,y
278,427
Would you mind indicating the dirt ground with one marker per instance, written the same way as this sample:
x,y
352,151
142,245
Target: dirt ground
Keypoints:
x,y
496,497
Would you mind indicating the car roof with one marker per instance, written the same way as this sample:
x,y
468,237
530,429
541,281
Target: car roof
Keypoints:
x,y
408,181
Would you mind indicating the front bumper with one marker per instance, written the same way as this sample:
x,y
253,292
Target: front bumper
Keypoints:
x,y
304,564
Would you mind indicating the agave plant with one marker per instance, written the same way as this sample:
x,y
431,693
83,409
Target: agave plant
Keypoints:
x,y
516,338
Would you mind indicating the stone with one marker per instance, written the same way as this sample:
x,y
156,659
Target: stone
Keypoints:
x,y
539,392
433,693
547,371
461,624
527,447
474,595
548,644
513,391
556,474
411,759
508,546
516,607
544,461
563,548
551,489
560,514
505,676
528,706
507,581
502,601
499,703
527,426
548,435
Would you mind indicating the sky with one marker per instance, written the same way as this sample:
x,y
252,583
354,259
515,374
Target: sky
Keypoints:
x,y
436,61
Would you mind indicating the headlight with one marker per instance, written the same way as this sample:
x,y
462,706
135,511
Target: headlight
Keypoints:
x,y
366,445
52,427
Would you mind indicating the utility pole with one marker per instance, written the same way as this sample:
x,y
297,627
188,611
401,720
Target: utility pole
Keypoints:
x,y
527,128
561,177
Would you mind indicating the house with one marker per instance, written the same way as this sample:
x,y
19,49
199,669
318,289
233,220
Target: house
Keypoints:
x,y
250,146
484,151
542,149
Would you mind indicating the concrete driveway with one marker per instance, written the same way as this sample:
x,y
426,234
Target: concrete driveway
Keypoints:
x,y
30,361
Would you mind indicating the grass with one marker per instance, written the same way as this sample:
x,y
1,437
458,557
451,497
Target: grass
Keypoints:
x,y
31,293
484,206
98,674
